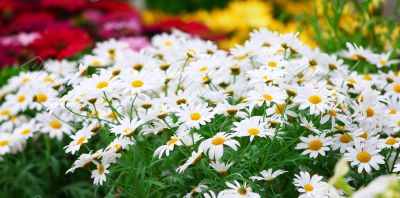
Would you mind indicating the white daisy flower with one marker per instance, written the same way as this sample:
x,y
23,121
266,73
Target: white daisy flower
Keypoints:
x,y
268,175
315,145
238,191
310,186
80,138
252,127
315,99
215,145
174,141
194,116
220,167
193,159
99,174
364,156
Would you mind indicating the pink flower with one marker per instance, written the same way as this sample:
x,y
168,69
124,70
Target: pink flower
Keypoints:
x,y
136,43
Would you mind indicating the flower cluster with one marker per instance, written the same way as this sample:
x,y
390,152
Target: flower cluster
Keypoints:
x,y
61,29
246,114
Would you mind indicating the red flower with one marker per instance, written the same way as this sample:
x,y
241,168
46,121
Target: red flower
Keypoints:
x,y
61,42
64,4
30,21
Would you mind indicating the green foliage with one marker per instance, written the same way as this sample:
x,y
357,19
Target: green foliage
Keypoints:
x,y
177,6
40,171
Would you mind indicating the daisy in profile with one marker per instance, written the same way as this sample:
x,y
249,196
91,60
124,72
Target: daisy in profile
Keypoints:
x,y
80,138
315,145
365,156
396,168
174,141
252,127
266,94
127,127
277,110
193,159
310,186
26,130
210,194
99,174
230,110
220,167
315,99
389,142
5,143
193,116
236,190
309,125
268,175
83,160
120,143
215,145
196,190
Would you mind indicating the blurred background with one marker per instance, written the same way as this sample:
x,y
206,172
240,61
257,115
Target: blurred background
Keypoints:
x,y
324,23
32,31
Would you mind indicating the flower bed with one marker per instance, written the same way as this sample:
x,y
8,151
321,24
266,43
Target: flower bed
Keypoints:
x,y
181,117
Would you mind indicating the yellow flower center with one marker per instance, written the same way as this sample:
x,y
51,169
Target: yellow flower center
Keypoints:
x,y
96,63
137,83
172,141
204,68
363,135
21,98
102,85
55,124
345,138
4,143
267,97
218,140
364,157
5,112
392,111
253,131
25,132
272,64
26,79
308,187
315,145
351,81
396,88
101,169
41,97
391,141
315,99
367,77
332,113
167,43
265,77
48,79
111,52
81,140
370,112
242,190
383,62
279,109
195,116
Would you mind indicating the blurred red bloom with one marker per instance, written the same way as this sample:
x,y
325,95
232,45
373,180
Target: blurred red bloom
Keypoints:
x,y
64,4
61,42
31,21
